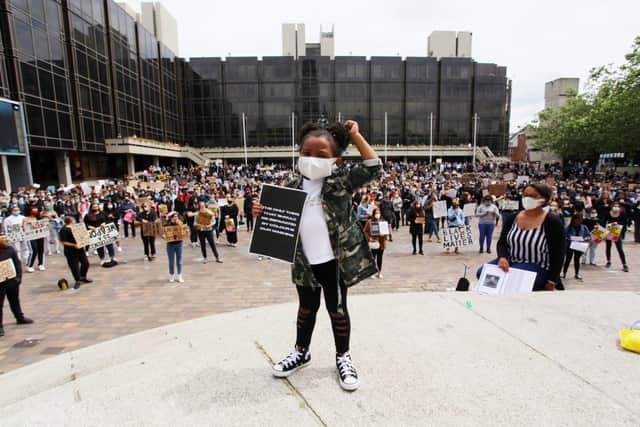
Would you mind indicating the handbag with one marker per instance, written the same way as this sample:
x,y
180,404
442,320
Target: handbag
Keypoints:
x,y
375,244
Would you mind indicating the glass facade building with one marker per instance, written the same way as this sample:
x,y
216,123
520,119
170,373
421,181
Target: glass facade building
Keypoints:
x,y
86,71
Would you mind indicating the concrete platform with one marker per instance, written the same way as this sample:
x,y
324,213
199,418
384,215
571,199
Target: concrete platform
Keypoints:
x,y
424,359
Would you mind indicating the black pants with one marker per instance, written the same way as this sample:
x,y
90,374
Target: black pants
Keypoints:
x,y
78,263
11,289
128,225
618,248
377,254
336,304
636,228
194,233
576,261
37,249
149,245
207,236
418,237
396,224
249,222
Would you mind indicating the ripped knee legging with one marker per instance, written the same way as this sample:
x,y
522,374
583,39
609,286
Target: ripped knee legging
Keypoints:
x,y
335,301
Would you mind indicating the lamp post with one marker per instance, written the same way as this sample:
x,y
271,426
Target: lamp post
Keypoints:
x,y
475,138
386,137
430,138
244,137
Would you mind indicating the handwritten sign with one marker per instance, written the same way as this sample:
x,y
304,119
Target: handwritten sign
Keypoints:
x,y
497,189
174,233
456,237
7,270
104,235
204,219
440,209
81,234
509,205
28,230
150,229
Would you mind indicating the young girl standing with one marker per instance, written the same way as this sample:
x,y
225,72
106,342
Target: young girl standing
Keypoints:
x,y
333,253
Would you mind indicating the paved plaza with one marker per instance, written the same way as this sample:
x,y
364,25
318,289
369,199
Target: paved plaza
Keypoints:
x,y
136,296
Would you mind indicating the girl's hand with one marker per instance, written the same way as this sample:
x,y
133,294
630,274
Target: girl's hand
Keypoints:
x,y
503,263
256,209
352,127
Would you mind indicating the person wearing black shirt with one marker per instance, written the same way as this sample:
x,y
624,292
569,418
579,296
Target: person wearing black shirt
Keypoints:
x,y
146,216
616,216
93,220
248,204
75,254
227,213
11,287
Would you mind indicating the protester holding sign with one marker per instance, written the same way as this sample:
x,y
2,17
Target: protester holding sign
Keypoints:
x,y
15,220
10,279
75,254
430,218
331,255
591,222
147,216
174,247
533,240
37,245
128,213
488,215
205,221
455,218
616,219
93,220
416,219
578,238
55,224
377,240
229,221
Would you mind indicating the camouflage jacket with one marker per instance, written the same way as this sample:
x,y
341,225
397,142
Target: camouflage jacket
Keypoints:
x,y
350,247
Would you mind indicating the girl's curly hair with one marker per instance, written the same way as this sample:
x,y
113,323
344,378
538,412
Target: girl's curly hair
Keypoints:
x,y
337,132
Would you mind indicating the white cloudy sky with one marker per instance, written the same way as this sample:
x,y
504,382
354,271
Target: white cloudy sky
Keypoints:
x,y
538,40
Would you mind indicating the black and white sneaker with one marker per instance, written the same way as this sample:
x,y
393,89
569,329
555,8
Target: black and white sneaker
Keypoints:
x,y
290,364
347,372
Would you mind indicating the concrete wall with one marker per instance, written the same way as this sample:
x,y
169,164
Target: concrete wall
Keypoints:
x,y
464,44
159,21
293,40
555,92
442,44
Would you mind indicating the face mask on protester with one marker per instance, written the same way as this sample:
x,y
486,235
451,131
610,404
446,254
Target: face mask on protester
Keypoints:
x,y
530,203
316,167
377,216
616,209
15,213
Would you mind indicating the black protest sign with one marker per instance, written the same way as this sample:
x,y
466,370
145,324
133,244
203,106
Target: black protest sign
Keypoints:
x,y
275,234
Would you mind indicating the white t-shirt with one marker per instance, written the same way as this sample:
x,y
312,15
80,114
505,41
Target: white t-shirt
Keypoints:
x,y
314,233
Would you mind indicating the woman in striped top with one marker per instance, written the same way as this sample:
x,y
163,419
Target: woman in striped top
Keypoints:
x,y
533,239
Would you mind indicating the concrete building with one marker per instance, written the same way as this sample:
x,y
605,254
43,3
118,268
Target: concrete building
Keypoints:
x,y
449,44
293,40
159,22
556,91
327,43
130,11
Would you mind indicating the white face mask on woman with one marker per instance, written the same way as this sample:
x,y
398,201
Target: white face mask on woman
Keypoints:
x,y
530,203
316,167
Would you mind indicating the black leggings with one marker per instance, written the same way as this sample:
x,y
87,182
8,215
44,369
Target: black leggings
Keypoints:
x,y
576,261
37,249
618,248
414,237
249,219
207,236
377,254
128,225
149,243
78,263
335,303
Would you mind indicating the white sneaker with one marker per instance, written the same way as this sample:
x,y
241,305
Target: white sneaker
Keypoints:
x,y
204,260
41,268
347,372
102,262
119,249
379,275
200,259
30,269
172,278
114,259
57,251
180,279
49,253
146,258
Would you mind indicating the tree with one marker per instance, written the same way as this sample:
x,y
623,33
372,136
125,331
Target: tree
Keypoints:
x,y
606,118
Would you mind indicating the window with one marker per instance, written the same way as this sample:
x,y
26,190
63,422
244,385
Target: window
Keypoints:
x,y
29,79
53,16
46,85
34,118
61,89
42,45
51,123
64,123
37,9
24,38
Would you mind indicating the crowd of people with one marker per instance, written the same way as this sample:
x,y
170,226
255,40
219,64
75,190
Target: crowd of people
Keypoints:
x,y
542,210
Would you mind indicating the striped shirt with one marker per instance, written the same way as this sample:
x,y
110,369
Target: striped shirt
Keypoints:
x,y
528,246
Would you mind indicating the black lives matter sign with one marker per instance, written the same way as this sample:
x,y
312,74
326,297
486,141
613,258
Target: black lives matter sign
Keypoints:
x,y
275,233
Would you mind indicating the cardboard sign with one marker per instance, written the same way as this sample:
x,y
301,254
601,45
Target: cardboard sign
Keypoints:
x,y
203,219
440,209
150,229
7,270
469,209
419,220
156,186
81,234
28,230
456,237
173,233
497,189
102,236
509,205
276,231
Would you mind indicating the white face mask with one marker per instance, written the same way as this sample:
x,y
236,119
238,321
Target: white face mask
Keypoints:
x,y
316,167
530,203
